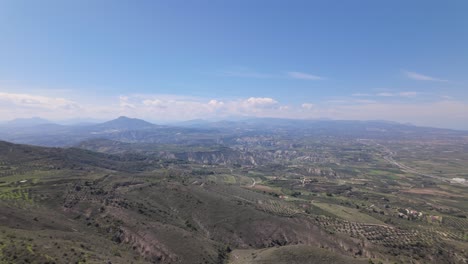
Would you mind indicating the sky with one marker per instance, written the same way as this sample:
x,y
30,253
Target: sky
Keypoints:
x,y
163,61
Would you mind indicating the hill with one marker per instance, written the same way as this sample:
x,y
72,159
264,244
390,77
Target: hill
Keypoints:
x,y
222,132
71,205
124,123
68,205
27,122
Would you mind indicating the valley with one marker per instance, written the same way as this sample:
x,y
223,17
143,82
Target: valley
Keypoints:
x,y
270,191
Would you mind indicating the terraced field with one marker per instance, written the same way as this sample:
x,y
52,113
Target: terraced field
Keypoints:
x,y
77,206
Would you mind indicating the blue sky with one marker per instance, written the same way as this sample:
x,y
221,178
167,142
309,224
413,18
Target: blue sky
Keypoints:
x,y
404,61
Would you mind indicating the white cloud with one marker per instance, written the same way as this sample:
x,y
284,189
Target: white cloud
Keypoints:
x,y
167,107
37,101
155,103
386,94
215,103
247,73
442,111
408,94
260,101
123,102
360,101
307,106
304,76
422,77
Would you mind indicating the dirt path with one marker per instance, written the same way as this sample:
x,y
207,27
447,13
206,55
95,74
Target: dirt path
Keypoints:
x,y
253,183
388,155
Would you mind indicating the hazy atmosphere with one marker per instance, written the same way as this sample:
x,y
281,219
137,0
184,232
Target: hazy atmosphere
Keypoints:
x,y
403,61
234,132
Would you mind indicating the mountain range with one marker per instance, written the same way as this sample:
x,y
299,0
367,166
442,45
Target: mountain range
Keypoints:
x,y
38,131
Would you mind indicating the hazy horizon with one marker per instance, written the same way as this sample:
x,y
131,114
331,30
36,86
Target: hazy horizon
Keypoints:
x,y
234,132
30,122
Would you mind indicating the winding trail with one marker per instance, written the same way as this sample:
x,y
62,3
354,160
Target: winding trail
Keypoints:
x,y
253,183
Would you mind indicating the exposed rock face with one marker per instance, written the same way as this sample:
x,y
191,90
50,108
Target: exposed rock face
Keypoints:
x,y
252,158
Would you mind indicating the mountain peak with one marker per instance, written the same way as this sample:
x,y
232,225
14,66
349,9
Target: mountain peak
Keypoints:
x,y
126,123
33,121
124,118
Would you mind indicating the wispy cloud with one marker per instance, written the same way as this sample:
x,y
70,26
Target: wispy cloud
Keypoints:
x,y
304,76
307,106
361,94
37,101
440,111
166,107
407,94
246,73
421,77
15,105
123,102
260,101
385,94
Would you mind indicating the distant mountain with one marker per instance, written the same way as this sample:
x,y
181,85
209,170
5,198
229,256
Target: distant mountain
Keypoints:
x,y
124,123
230,133
317,125
80,121
190,123
27,122
206,124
